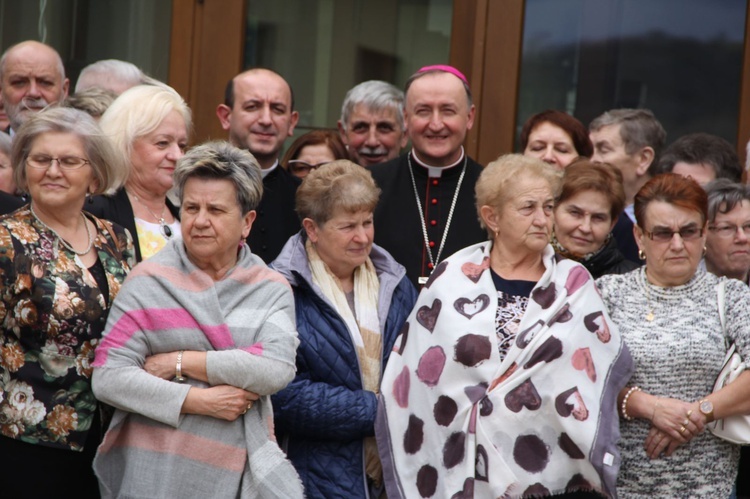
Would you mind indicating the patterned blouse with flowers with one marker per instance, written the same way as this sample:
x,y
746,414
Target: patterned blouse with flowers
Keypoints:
x,y
53,314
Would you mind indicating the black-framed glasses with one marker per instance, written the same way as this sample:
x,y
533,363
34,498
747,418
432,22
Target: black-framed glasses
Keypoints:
x,y
729,230
663,235
43,161
297,166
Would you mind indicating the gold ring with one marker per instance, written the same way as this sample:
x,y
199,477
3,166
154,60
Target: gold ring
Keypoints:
x,y
689,412
682,429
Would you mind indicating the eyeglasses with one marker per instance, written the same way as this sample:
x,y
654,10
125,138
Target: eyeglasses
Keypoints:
x,y
42,162
729,230
299,166
689,233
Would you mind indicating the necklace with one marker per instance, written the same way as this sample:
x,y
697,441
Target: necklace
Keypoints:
x,y
650,314
163,227
433,261
63,241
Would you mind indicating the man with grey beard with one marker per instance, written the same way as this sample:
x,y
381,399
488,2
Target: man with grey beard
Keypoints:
x,y
372,122
32,77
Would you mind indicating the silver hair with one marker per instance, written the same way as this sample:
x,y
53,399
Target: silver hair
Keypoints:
x,y
724,195
376,96
221,160
107,165
639,128
110,70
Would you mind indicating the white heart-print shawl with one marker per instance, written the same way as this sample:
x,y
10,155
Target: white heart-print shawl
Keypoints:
x,y
454,421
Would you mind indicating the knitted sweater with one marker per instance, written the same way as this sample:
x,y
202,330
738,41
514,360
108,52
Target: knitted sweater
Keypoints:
x,y
679,354
245,323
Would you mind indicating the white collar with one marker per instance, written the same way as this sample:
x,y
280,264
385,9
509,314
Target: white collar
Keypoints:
x,y
265,171
436,171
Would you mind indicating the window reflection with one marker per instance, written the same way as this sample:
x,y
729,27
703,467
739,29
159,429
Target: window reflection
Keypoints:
x,y
680,58
325,47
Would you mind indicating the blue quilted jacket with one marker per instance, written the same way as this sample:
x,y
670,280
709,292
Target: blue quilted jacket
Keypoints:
x,y
323,415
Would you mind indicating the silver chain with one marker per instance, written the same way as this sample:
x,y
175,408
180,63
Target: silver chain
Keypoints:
x,y
164,228
450,213
63,241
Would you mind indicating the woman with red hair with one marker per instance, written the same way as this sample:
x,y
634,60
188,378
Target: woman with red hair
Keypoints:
x,y
556,138
668,314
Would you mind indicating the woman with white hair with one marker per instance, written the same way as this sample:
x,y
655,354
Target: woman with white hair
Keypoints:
x,y
149,125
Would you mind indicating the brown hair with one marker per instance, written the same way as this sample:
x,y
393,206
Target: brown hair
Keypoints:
x,y
314,138
339,185
574,128
683,192
585,175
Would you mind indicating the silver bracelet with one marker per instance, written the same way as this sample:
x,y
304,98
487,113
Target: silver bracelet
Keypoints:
x,y
624,406
178,377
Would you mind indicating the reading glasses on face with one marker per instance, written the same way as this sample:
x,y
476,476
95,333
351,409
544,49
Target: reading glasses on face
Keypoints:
x,y
299,166
729,230
43,162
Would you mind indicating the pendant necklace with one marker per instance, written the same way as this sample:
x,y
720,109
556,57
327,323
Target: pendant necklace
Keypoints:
x,y
63,241
163,227
434,261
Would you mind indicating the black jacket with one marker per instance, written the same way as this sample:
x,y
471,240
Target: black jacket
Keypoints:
x,y
276,219
609,260
117,208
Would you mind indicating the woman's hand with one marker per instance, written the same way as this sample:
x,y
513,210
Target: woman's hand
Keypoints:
x,y
679,420
162,365
220,402
674,423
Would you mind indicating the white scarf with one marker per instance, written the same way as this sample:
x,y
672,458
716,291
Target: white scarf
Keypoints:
x,y
454,419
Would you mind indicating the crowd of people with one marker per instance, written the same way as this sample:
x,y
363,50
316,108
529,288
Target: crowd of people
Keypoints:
x,y
370,314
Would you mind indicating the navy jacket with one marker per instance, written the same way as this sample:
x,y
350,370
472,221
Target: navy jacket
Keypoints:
x,y
323,415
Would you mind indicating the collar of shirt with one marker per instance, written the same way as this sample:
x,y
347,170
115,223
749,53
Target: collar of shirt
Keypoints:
x,y
436,171
630,211
266,171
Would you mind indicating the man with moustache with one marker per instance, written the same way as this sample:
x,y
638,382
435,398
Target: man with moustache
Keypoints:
x,y
32,77
258,112
426,211
372,122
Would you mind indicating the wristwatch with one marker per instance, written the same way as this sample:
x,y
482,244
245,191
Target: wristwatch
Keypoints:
x,y
707,408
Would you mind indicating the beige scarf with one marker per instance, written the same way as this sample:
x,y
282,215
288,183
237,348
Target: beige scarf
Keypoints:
x,y
364,328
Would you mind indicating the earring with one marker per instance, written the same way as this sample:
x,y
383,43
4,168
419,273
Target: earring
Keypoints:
x,y
704,251
641,255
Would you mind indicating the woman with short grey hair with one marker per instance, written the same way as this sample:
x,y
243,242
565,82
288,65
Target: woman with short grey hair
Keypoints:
x,y
199,338
351,298
61,268
728,238
222,160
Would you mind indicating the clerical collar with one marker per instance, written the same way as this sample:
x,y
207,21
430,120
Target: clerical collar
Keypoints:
x,y
436,171
265,171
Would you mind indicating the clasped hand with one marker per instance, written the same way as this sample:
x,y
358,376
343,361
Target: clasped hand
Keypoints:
x,y
674,423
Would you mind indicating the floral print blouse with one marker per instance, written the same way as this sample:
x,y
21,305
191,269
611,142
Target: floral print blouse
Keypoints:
x,y
53,315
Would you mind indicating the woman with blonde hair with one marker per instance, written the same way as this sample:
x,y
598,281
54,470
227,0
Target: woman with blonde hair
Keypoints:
x,y
149,126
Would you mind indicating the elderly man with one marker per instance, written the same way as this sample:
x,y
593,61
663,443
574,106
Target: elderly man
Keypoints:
x,y
630,140
702,156
111,74
32,77
372,122
258,112
426,210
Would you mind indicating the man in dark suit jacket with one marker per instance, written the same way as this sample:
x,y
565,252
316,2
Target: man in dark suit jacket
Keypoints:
x,y
258,112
